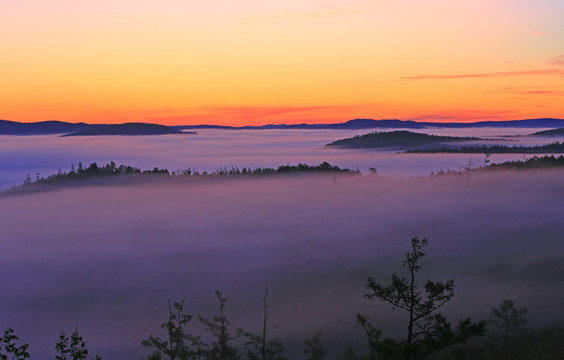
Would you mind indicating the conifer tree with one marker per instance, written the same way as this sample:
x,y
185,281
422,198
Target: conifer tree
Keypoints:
x,y
427,331
178,345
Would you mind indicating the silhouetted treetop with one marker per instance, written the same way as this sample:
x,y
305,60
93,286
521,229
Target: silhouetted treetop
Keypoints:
x,y
427,330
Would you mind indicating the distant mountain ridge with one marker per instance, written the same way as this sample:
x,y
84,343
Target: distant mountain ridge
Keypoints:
x,y
60,127
355,124
43,127
359,124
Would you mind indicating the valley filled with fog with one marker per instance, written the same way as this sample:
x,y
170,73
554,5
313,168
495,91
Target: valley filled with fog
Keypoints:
x,y
106,259
211,149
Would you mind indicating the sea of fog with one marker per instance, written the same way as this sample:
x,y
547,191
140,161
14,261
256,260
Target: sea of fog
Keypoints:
x,y
107,259
212,149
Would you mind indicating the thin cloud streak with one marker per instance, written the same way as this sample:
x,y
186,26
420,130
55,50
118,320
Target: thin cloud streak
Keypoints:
x,y
462,115
529,92
558,60
546,72
297,16
266,114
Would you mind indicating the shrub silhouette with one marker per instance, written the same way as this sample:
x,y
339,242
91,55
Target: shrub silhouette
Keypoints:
x,y
72,348
9,348
175,346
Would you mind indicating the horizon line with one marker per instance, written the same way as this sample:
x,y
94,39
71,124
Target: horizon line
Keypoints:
x,y
408,120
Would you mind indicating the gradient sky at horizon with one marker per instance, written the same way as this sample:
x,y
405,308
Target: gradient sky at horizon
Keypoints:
x,y
258,62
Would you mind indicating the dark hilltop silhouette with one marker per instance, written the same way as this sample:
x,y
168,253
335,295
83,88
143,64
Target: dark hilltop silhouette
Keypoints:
x,y
43,127
355,124
129,129
552,132
415,142
396,139
526,123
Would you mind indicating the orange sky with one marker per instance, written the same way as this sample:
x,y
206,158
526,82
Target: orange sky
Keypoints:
x,y
251,62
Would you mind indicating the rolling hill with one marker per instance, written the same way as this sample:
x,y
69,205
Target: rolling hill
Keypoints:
x,y
551,132
129,129
395,139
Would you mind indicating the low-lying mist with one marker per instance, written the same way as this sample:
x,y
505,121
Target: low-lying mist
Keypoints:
x,y
212,149
106,259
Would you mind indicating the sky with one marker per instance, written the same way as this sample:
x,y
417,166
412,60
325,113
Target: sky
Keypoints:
x,y
251,62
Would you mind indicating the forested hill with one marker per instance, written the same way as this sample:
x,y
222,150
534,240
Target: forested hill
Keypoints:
x,y
552,132
396,139
552,148
111,173
129,129
534,163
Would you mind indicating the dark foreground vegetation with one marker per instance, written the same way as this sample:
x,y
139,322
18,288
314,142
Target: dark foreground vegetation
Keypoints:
x,y
428,333
555,147
396,139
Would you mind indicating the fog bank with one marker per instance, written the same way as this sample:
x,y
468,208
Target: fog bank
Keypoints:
x,y
212,149
107,259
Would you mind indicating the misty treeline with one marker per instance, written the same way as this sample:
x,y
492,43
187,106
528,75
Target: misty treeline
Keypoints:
x,y
554,147
111,169
535,162
428,333
94,170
